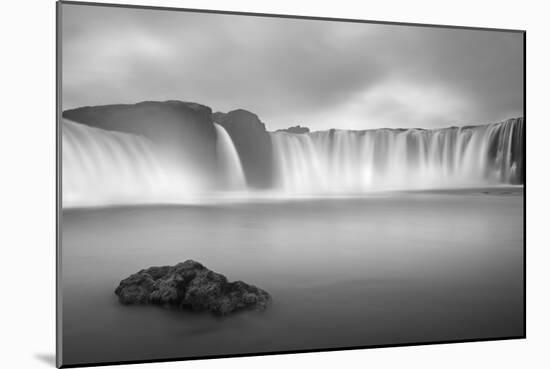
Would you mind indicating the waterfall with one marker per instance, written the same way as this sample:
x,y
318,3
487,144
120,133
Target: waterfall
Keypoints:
x,y
229,161
385,159
101,167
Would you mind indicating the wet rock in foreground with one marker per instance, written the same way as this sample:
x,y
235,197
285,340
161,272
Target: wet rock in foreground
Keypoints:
x,y
190,285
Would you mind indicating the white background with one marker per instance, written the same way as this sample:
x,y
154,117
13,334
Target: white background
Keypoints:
x,y
27,227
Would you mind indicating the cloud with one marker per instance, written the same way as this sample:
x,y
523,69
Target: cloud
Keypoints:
x,y
319,73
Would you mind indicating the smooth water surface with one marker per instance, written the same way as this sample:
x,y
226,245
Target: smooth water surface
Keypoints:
x,y
387,269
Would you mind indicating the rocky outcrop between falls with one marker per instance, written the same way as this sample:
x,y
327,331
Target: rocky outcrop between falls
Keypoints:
x,y
295,129
252,142
190,285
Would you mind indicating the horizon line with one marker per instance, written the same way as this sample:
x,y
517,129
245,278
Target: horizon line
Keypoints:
x,y
282,130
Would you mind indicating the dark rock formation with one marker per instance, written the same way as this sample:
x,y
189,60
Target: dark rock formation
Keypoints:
x,y
295,129
190,285
253,144
184,128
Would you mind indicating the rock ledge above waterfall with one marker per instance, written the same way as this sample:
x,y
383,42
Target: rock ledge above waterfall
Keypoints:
x,y
295,129
190,285
182,128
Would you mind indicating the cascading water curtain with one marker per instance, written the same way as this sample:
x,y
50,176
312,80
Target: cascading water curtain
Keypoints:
x,y
384,159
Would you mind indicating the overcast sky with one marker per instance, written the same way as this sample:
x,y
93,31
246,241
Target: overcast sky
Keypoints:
x,y
315,73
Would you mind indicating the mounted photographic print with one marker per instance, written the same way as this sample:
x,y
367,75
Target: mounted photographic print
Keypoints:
x,y
241,184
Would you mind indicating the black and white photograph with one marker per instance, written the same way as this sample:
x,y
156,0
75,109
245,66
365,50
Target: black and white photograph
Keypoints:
x,y
234,184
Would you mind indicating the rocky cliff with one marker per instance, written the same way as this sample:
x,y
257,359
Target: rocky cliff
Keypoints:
x,y
253,143
181,128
